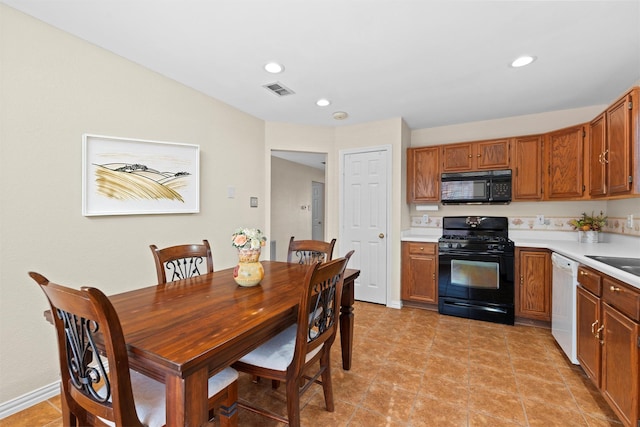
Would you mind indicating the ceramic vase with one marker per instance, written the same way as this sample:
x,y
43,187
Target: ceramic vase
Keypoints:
x,y
249,271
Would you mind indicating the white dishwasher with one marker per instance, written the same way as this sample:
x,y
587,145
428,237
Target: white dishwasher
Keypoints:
x,y
563,314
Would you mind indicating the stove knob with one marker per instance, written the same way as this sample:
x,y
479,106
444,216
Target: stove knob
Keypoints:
x,y
449,245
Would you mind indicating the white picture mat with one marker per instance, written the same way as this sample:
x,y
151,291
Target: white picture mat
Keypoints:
x,y
169,157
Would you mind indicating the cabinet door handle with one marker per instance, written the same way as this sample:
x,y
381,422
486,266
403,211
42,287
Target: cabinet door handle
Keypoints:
x,y
598,334
600,158
479,155
593,328
604,156
470,156
583,273
614,289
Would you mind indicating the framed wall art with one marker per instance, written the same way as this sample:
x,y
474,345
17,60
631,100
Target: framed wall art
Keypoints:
x,y
132,177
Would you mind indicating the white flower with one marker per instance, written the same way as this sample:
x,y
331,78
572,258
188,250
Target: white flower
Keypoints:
x,y
248,238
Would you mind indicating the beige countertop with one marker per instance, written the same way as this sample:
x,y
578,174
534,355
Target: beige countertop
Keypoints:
x,y
564,243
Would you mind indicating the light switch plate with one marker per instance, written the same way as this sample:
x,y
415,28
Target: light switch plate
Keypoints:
x,y
253,202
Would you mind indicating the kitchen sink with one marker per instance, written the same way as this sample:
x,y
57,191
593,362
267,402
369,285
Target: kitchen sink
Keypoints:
x,y
630,265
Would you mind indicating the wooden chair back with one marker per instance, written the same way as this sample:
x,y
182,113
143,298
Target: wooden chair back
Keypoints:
x,y
182,261
310,251
82,319
317,326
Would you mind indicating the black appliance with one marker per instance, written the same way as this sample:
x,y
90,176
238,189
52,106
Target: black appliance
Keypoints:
x,y
476,269
488,187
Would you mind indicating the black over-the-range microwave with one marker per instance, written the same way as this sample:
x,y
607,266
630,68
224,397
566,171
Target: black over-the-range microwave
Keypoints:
x,y
476,187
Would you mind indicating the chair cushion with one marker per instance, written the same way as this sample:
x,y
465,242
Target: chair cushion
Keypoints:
x,y
277,353
149,395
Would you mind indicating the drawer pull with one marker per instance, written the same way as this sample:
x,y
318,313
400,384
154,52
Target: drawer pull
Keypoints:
x,y
583,273
421,248
614,289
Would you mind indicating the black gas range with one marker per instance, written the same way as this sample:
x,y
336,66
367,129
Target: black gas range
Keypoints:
x,y
476,269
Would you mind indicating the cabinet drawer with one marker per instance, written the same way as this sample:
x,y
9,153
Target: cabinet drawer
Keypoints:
x,y
422,248
590,280
623,297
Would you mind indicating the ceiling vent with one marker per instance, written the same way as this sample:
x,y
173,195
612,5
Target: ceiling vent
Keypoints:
x,y
279,89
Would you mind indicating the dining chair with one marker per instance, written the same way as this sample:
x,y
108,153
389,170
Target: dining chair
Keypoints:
x,y
290,355
310,251
182,261
97,384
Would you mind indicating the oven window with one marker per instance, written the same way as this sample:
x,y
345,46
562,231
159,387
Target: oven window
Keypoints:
x,y
475,274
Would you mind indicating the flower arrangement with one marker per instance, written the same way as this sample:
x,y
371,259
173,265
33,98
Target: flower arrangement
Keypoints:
x,y
248,238
589,222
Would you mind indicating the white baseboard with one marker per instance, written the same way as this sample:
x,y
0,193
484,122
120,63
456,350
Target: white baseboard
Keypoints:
x,y
395,304
27,400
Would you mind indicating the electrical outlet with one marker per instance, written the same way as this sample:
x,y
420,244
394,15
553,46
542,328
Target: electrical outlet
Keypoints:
x,y
629,221
425,219
540,219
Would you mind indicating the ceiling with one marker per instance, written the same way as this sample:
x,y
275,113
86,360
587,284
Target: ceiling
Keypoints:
x,y
433,63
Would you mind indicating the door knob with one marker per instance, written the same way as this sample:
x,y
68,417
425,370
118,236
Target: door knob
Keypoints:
x,y
381,235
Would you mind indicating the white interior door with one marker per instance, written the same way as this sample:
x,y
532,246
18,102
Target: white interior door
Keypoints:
x,y
364,220
317,211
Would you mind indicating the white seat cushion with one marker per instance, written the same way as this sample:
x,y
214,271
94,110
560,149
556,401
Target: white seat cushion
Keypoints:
x,y
277,353
149,395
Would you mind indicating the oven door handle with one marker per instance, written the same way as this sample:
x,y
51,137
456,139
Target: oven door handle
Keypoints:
x,y
483,307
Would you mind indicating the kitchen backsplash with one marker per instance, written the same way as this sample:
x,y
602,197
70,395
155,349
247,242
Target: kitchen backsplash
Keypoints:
x,y
614,225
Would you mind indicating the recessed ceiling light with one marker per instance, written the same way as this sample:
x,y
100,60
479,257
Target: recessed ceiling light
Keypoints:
x,y
322,102
274,68
340,115
522,61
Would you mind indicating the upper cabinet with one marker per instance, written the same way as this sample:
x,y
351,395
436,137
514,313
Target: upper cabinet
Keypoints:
x,y
480,155
600,159
613,149
528,167
564,163
423,174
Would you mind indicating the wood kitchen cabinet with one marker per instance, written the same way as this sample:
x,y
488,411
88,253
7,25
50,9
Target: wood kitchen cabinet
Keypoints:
x,y
478,155
564,153
419,272
423,174
527,168
608,316
533,287
613,148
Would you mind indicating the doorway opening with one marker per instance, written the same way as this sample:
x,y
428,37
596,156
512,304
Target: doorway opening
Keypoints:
x,y
297,199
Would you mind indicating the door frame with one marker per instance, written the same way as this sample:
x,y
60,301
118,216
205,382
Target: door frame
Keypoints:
x,y
388,148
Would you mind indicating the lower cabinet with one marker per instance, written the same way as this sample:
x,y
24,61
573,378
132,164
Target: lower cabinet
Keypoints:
x,y
533,284
419,272
588,325
608,318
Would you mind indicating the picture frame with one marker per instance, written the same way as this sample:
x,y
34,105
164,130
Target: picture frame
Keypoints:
x,y
123,176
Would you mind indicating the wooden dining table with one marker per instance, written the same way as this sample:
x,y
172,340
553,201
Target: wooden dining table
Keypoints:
x,y
182,332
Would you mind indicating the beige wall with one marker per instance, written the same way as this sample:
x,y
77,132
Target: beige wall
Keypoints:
x,y
291,188
53,88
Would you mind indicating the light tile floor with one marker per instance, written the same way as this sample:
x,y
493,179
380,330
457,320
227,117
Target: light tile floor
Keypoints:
x,y
415,367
